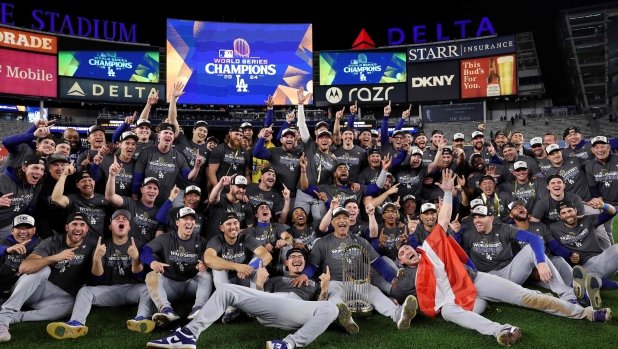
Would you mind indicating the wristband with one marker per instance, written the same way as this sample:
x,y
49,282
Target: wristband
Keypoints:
x,y
303,171
605,207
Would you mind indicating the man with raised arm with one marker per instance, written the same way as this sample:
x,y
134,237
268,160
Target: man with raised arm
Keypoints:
x,y
124,178
142,127
36,140
221,204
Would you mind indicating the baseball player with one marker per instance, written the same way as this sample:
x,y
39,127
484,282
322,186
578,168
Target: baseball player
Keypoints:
x,y
601,174
13,249
275,303
51,275
264,190
142,127
524,188
21,145
488,288
119,275
101,165
495,200
177,270
304,234
229,158
272,236
223,203
191,199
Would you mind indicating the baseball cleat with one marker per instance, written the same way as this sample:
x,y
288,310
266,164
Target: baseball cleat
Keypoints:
x,y
194,312
64,330
345,319
602,315
141,324
166,316
408,312
593,291
180,339
5,336
509,336
276,344
579,282
231,314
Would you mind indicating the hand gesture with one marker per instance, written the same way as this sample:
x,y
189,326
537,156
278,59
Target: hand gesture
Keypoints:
x,y
442,143
226,180
321,196
382,240
105,150
86,162
334,203
594,203
114,168
387,109
303,162
370,210
412,224
40,123
98,158
270,103
393,190
268,247
289,117
157,267
267,132
302,97
154,98
129,119
461,181
387,160
481,127
447,180
406,113
455,225
325,278
281,243
544,272
42,132
286,193
19,248
300,280
201,267
491,171
244,270
174,193
355,187
69,169
339,113
132,251
5,200
262,275
199,160
397,204
491,149
100,251
66,255
177,91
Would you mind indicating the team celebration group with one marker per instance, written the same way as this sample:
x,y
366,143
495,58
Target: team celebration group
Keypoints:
x,y
261,228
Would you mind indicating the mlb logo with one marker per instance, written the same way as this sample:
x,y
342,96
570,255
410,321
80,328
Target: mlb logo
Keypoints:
x,y
226,53
354,61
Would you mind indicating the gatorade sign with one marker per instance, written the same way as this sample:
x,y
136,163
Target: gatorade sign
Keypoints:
x,y
22,40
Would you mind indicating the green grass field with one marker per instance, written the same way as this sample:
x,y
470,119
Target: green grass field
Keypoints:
x,y
107,329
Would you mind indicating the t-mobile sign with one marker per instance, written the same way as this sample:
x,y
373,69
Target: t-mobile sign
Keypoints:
x,y
31,74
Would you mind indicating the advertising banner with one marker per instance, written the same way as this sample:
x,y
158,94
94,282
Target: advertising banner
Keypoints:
x,y
28,41
433,81
452,112
462,49
139,66
362,67
25,73
239,63
34,114
348,94
107,91
489,76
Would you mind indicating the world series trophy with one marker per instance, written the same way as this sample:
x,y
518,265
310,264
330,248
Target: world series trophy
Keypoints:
x,y
357,279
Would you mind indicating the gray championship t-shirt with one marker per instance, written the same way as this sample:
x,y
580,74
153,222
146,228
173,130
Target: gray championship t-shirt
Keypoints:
x,y
10,262
117,264
307,236
603,177
231,161
124,178
24,199
490,251
328,251
572,172
355,159
287,166
546,208
95,208
580,239
143,220
242,210
267,235
273,198
181,255
164,167
241,251
283,284
320,166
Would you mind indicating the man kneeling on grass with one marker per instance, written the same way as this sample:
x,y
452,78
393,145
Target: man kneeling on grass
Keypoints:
x,y
118,271
286,307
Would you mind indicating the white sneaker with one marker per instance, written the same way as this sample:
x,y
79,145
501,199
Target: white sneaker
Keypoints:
x,y
5,336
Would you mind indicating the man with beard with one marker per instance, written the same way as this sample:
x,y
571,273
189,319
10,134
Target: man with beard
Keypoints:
x,y
459,141
230,256
500,140
489,248
357,227
393,146
86,200
50,277
546,208
524,188
50,217
19,190
71,135
587,254
600,174
536,144
191,149
142,127
304,234
222,204
353,156
411,177
557,253
124,179
369,175
228,159
96,139
119,278
375,136
480,170
421,141
511,156
20,146
191,199
283,306
264,191
272,236
177,271
14,249
258,164
428,217
164,163
518,139
478,147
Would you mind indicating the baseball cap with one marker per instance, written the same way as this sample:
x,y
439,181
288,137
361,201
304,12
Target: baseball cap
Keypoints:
x,y
374,133
477,134
569,129
321,123
141,122
125,213
599,139
549,178
201,123
212,139
388,204
476,202
436,132
186,211
53,158
347,129
226,217
348,201
396,132
565,204
256,207
340,210
167,126
193,189
339,164
509,145
295,250
300,208
235,128
325,133
520,164
458,136
475,155
63,141
373,151
417,151
536,141
95,128
391,176
499,133
268,169
447,151
79,175
128,134
33,160
552,147
288,131
23,219
246,125
487,178
150,180
480,211
409,197
77,216
239,181
515,203
428,207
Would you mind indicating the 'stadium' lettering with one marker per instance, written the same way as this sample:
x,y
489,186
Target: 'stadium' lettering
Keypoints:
x,y
28,74
240,69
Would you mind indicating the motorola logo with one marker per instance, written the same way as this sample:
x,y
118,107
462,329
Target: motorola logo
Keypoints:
x,y
334,95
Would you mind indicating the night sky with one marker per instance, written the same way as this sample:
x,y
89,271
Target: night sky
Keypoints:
x,y
338,30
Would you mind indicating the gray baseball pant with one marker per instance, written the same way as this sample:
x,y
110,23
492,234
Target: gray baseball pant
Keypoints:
x,y
164,291
111,296
496,289
521,266
602,235
605,264
221,277
609,226
281,310
309,204
563,268
380,302
49,301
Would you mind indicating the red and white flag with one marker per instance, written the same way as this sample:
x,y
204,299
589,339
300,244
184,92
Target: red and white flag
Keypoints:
x,y
441,277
